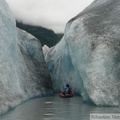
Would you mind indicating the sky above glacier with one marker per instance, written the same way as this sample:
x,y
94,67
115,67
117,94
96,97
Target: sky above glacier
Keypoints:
x,y
52,14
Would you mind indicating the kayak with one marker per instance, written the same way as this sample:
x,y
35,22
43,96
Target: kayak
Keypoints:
x,y
63,95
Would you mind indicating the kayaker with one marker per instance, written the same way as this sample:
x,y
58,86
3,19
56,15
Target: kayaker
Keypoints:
x,y
67,92
66,89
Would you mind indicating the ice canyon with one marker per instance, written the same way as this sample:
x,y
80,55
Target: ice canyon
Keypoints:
x,y
87,58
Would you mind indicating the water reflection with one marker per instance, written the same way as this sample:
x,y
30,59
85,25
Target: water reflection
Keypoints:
x,y
56,108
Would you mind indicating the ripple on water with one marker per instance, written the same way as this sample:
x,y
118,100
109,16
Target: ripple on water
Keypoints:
x,y
49,102
53,118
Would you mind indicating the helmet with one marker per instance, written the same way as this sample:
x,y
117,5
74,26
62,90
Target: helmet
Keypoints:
x,y
67,85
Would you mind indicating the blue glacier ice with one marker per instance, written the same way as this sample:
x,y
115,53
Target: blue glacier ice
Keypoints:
x,y
88,56
23,71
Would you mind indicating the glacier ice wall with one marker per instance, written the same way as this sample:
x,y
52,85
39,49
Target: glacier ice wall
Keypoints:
x,y
88,55
37,76
23,72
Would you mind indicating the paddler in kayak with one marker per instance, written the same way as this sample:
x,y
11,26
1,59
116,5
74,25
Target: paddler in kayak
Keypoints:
x,y
67,92
67,89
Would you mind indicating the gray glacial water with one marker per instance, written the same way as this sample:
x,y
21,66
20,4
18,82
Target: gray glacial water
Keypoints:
x,y
56,108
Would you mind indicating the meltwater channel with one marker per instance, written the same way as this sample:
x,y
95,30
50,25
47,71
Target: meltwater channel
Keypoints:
x,y
56,108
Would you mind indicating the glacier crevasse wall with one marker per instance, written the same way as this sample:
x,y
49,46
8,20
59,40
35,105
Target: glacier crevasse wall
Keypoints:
x,y
88,55
23,72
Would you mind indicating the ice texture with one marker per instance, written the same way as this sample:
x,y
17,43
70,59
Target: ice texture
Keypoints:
x,y
45,49
88,56
35,65
23,71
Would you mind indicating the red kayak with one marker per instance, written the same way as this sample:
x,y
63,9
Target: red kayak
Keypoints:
x,y
66,95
